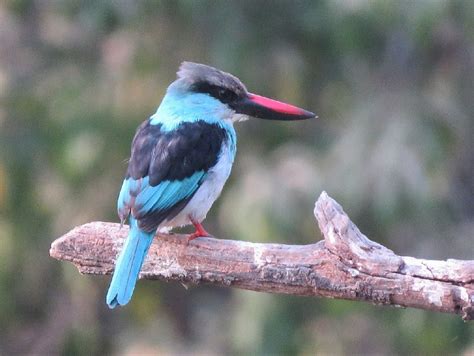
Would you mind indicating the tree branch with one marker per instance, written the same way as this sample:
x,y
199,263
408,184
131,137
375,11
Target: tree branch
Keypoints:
x,y
345,265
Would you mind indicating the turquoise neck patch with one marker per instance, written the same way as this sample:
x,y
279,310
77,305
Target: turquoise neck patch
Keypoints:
x,y
178,107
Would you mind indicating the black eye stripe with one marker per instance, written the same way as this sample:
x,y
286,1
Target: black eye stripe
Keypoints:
x,y
222,94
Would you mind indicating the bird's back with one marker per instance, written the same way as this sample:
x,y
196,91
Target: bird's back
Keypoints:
x,y
168,167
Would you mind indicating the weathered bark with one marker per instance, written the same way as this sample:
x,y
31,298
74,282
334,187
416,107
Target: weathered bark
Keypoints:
x,y
345,265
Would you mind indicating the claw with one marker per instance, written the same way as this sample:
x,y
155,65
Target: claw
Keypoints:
x,y
200,231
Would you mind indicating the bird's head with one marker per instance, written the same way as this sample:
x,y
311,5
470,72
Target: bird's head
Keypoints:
x,y
226,91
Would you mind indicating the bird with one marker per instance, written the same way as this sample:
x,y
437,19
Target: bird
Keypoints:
x,y
181,156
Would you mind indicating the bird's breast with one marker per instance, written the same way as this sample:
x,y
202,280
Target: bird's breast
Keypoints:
x,y
210,189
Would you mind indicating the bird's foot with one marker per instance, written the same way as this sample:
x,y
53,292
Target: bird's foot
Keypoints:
x,y
200,231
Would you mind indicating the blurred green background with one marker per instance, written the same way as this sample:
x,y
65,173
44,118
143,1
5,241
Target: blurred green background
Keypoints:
x,y
392,82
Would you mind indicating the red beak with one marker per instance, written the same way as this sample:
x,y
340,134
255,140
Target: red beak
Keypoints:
x,y
269,109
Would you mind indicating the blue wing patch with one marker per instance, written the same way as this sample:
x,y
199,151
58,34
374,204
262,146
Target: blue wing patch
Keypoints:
x,y
139,198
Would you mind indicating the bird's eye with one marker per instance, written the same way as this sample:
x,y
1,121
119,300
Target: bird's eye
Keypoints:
x,y
226,95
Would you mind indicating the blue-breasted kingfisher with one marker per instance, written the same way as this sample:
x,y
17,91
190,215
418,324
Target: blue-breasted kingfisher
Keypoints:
x,y
180,159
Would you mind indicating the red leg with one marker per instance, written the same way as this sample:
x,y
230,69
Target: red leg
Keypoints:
x,y
200,231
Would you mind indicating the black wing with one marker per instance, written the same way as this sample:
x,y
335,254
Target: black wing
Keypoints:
x,y
160,159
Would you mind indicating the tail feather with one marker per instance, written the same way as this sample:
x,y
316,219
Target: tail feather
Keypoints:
x,y
128,265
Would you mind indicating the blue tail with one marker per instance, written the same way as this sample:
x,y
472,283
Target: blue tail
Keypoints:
x,y
128,265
